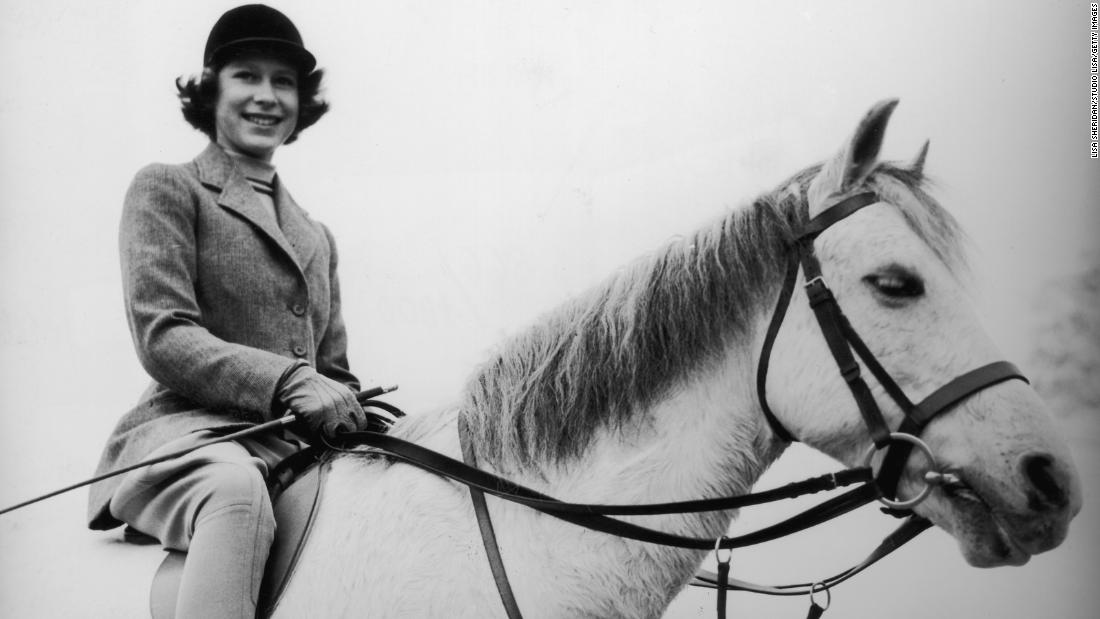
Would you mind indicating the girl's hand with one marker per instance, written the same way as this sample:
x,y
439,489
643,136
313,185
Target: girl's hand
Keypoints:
x,y
325,406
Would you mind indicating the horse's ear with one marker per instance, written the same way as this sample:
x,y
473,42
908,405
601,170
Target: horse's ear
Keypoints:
x,y
849,168
916,166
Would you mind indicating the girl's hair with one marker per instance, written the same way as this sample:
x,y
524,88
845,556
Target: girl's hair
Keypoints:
x,y
199,95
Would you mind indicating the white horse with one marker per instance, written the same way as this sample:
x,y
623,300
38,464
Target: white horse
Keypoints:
x,y
643,390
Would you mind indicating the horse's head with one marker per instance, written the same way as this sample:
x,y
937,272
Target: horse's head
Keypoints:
x,y
894,267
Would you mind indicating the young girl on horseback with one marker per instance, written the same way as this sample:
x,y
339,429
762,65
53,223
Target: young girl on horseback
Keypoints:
x,y
234,307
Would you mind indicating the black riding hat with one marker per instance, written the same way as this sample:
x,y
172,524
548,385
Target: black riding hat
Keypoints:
x,y
256,27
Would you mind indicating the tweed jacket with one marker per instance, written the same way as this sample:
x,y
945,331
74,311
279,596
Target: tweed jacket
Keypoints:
x,y
223,298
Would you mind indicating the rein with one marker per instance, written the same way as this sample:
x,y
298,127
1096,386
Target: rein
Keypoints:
x,y
596,516
845,346
365,398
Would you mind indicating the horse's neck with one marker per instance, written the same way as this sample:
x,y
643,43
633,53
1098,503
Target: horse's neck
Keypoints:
x,y
705,440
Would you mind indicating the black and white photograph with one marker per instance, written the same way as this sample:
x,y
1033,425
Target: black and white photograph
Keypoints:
x,y
549,309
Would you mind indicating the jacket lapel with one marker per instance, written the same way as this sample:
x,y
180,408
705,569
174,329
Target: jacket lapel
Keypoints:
x,y
296,226
217,171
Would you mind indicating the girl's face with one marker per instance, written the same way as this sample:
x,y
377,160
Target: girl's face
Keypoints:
x,y
257,106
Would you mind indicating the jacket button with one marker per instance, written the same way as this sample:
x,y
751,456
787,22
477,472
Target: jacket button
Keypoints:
x,y
300,350
298,309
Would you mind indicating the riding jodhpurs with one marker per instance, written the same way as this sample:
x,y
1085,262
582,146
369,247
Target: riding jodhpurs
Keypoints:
x,y
213,504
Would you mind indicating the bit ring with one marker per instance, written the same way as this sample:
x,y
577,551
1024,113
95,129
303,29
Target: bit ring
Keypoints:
x,y
931,478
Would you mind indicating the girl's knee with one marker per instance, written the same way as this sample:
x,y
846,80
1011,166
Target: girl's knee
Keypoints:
x,y
236,498
229,484
232,493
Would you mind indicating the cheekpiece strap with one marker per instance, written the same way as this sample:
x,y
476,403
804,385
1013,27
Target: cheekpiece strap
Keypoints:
x,y
804,257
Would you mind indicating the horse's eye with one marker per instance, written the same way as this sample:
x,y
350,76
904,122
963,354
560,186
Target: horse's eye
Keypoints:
x,y
896,284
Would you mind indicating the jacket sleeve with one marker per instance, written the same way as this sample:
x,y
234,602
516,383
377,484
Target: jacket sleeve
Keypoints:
x,y
158,248
332,353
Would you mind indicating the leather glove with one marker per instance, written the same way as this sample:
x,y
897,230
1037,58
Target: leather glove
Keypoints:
x,y
325,406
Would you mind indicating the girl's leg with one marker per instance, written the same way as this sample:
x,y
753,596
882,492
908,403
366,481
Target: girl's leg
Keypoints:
x,y
213,504
233,532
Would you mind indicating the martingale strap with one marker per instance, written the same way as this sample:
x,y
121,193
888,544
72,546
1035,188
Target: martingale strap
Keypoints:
x,y
588,516
909,529
488,535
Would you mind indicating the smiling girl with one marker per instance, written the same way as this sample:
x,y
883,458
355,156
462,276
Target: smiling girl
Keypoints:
x,y
234,307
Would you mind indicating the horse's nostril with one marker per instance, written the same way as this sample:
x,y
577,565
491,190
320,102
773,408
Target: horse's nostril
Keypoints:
x,y
1046,491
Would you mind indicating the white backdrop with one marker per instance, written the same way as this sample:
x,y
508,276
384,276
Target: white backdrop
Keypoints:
x,y
484,160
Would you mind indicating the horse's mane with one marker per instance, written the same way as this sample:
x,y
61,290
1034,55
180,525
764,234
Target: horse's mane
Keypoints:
x,y
620,347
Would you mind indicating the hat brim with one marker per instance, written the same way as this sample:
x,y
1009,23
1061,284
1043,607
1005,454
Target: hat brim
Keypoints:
x,y
279,48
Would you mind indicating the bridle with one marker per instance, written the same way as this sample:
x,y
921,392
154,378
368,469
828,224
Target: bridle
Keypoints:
x,y
842,340
845,345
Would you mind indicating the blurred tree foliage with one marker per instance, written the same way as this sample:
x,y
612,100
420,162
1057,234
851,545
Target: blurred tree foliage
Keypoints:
x,y
1065,363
